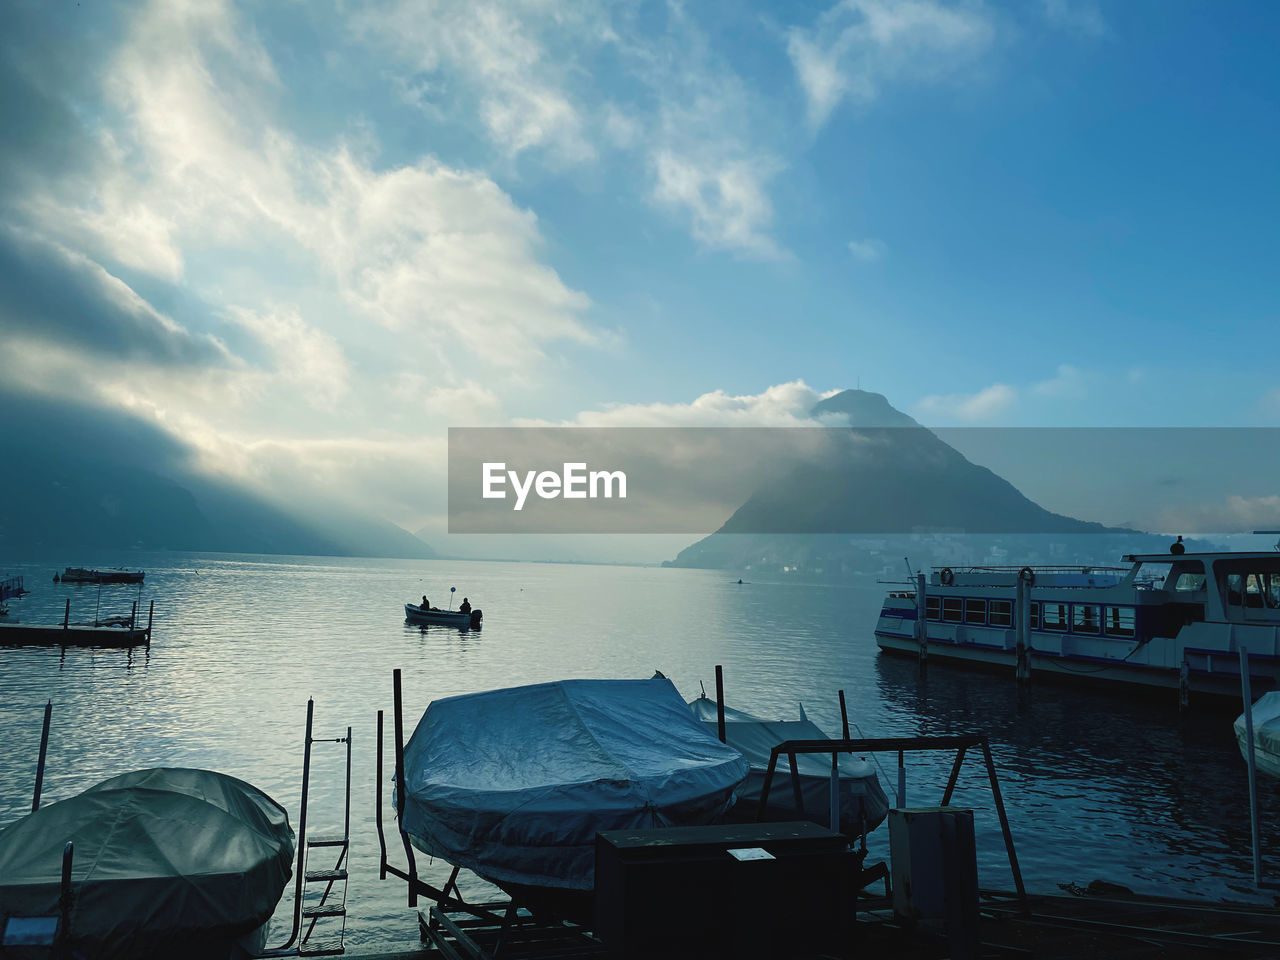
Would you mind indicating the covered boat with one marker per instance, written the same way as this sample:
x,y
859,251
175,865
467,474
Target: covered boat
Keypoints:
x,y
863,804
449,618
515,784
83,575
167,862
1266,734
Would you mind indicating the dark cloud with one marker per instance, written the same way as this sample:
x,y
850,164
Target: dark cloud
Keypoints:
x,y
54,294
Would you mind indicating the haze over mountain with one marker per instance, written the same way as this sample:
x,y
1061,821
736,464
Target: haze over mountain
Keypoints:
x,y
88,479
895,477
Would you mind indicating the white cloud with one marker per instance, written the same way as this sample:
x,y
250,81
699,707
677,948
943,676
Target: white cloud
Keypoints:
x,y
1076,16
307,359
986,404
781,405
725,200
856,47
869,250
1233,514
1068,383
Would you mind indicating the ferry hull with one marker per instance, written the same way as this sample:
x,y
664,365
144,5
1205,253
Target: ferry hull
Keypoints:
x,y
1264,675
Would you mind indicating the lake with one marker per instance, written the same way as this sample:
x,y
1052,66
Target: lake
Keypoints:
x,y
1096,785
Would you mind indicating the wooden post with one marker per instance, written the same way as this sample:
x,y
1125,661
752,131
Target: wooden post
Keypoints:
x,y
44,750
922,621
844,716
720,703
150,616
1023,632
1247,696
66,614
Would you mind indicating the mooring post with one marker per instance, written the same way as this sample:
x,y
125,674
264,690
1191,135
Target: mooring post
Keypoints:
x,y
1023,632
1247,695
720,703
844,716
398,720
150,616
377,806
922,621
66,614
44,750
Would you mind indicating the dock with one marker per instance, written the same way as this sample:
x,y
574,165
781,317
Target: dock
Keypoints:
x,y
116,632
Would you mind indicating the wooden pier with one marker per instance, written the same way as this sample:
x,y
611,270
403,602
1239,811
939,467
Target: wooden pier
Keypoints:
x,y
119,632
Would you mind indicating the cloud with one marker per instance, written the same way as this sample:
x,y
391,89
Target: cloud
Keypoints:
x,y
725,200
986,404
48,291
307,359
782,405
1075,16
857,47
869,250
1068,383
1232,514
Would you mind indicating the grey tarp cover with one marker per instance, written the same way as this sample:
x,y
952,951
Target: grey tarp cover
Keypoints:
x,y
514,784
860,790
164,859
1266,733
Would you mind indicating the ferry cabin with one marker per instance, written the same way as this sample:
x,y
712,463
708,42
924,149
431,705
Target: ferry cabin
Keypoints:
x,y
1167,621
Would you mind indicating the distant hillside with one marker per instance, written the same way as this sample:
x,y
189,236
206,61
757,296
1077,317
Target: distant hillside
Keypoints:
x,y
77,478
893,478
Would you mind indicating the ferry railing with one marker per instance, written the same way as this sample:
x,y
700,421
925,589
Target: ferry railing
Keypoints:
x,y
961,744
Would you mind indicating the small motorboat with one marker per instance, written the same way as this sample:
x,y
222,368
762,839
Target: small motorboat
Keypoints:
x,y
166,862
83,575
1266,734
449,618
863,804
515,784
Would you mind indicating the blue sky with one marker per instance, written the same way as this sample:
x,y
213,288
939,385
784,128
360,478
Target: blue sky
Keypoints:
x,y
306,238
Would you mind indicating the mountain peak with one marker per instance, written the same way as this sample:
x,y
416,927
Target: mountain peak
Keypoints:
x,y
863,409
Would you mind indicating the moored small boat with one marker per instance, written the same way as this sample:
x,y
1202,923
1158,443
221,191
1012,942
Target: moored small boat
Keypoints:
x,y
449,618
85,575
515,784
1266,734
165,862
863,804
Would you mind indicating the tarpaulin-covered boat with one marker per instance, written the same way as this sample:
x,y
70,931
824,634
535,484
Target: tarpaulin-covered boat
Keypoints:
x,y
515,784
1266,734
167,862
863,804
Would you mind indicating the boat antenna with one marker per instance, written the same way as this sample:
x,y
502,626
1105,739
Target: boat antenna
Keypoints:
x,y
910,575
452,590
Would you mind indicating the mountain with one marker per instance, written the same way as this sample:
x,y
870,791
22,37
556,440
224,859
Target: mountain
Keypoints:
x,y
78,478
888,477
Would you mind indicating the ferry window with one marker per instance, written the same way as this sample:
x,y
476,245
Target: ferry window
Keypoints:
x,y
1235,589
1120,621
951,607
1035,615
1189,581
1084,618
1055,616
1001,613
1273,592
975,611
931,608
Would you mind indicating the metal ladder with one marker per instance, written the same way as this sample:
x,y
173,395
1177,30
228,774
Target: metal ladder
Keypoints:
x,y
323,910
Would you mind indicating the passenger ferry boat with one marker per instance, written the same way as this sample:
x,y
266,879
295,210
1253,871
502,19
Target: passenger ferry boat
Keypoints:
x,y
1165,621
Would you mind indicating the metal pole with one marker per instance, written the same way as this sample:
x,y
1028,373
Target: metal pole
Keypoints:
x,y
400,788
955,775
346,820
922,621
1247,695
302,831
902,781
796,795
768,783
1004,827
844,716
377,808
66,614
1023,604
835,793
44,750
720,703
150,616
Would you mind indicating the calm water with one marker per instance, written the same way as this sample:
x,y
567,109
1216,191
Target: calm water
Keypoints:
x,y
1096,787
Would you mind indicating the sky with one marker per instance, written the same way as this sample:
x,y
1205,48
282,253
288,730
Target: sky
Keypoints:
x,y
306,238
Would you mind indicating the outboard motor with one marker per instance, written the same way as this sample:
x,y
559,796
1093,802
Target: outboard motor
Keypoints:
x,y
476,616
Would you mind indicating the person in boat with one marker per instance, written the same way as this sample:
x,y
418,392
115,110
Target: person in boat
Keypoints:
x,y
466,606
426,604
1176,548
